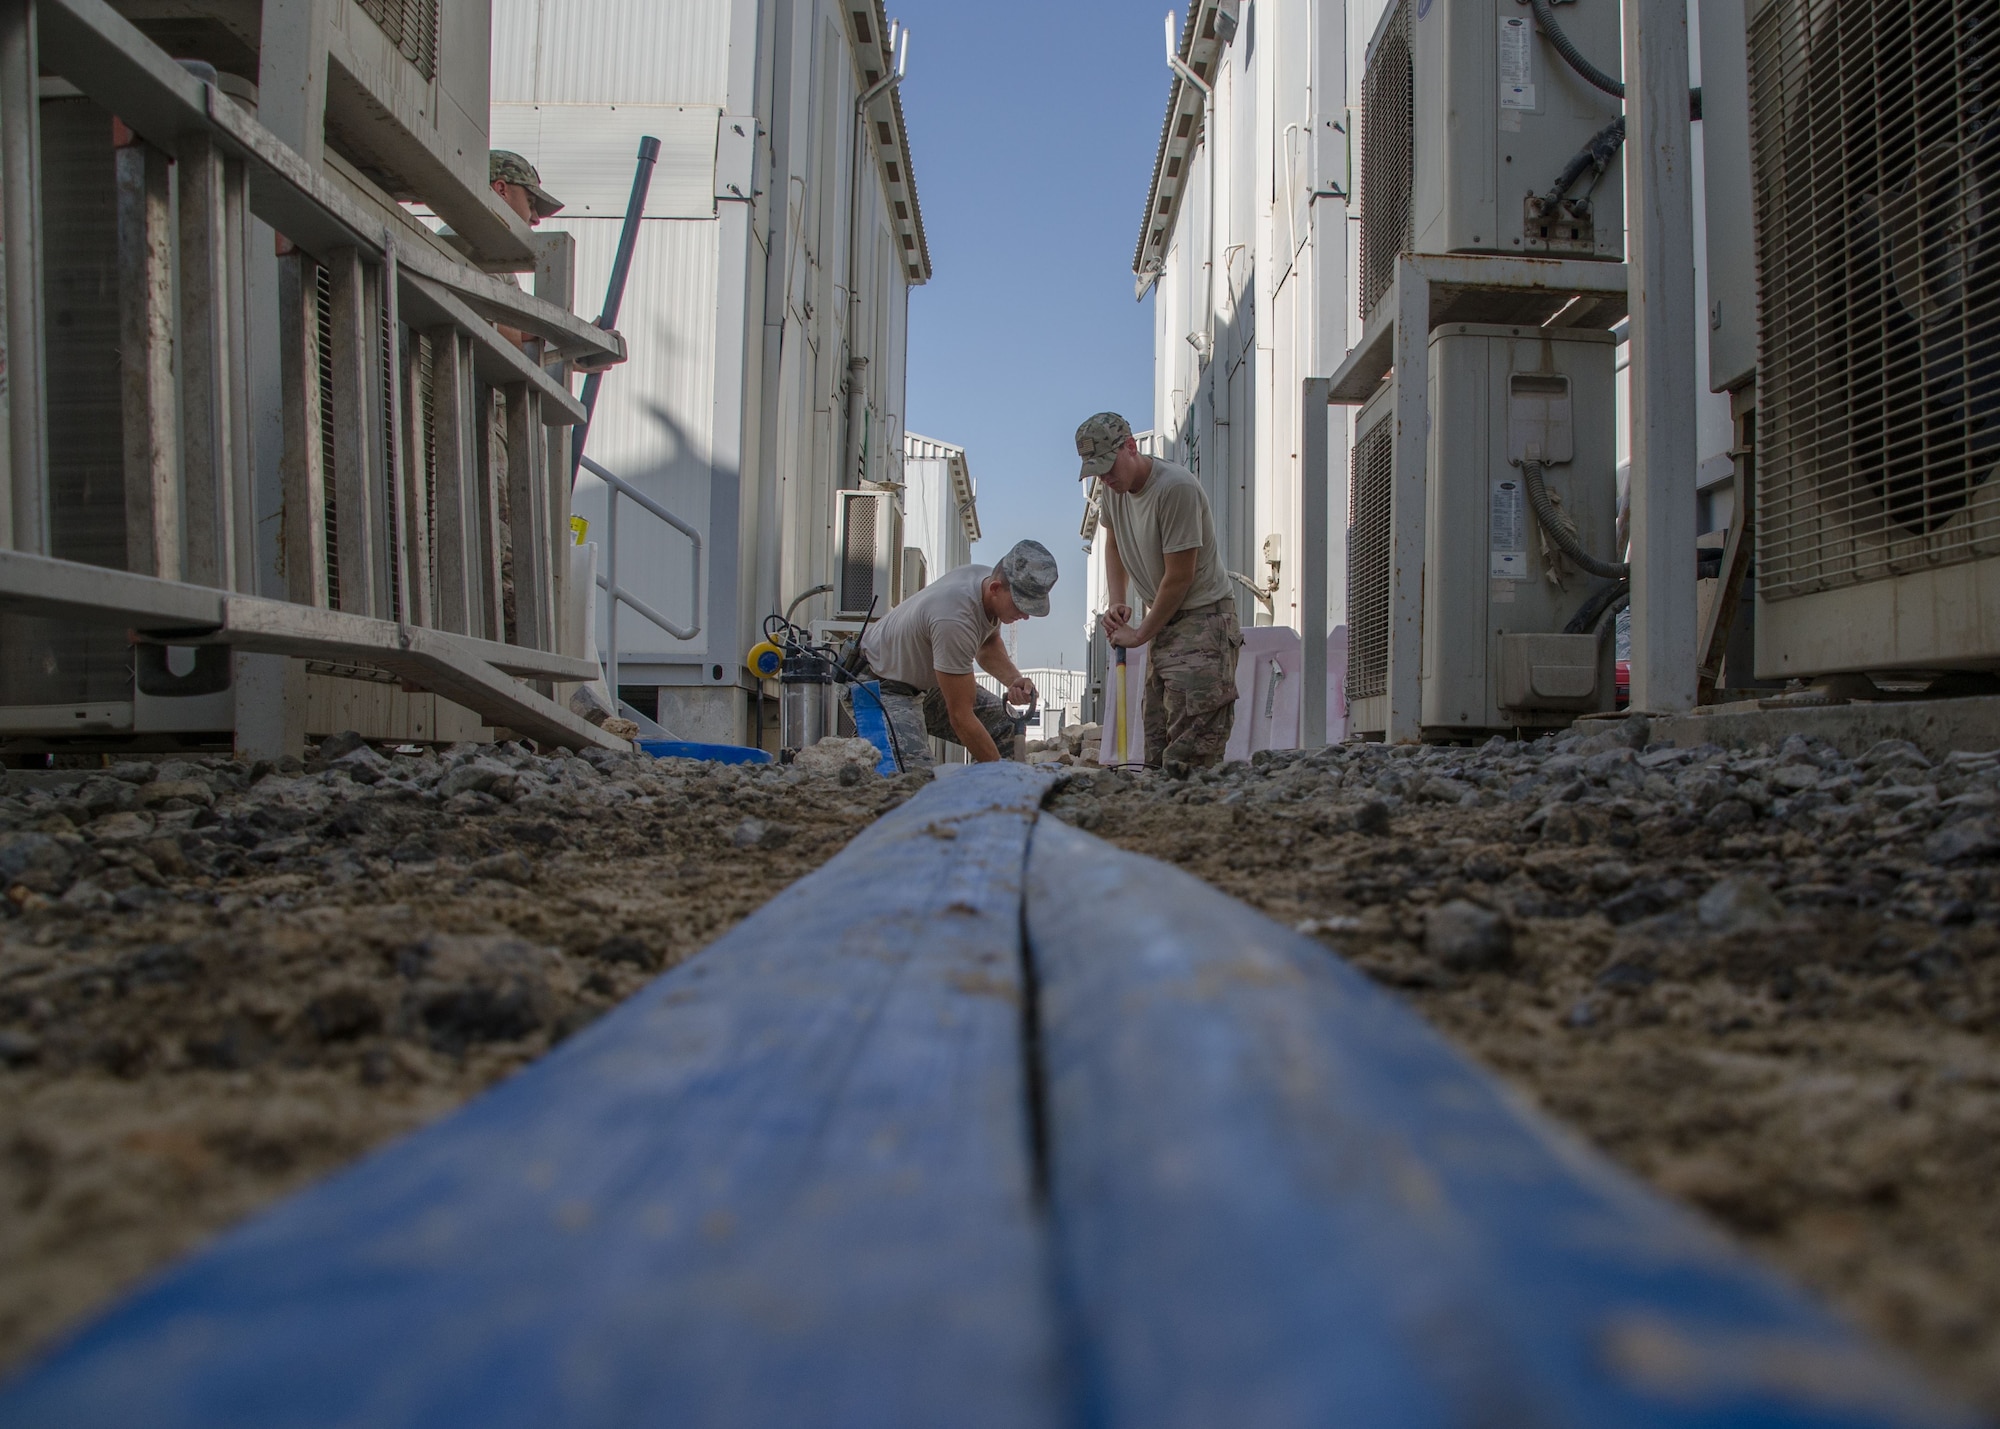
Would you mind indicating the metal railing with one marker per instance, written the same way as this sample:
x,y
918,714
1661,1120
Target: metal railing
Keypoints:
x,y
423,486
607,581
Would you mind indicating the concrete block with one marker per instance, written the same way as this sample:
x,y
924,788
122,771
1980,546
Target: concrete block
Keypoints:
x,y
1935,726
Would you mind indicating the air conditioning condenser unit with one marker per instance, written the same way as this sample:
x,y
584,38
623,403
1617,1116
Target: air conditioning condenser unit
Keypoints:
x,y
868,539
1878,246
1468,117
1498,601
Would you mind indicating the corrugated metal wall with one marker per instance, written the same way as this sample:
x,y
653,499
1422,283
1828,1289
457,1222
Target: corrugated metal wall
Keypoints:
x,y
668,420
656,414
931,518
605,51
655,417
814,153
1227,404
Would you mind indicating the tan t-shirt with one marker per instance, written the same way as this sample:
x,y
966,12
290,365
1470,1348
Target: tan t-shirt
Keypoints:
x,y
939,629
1169,513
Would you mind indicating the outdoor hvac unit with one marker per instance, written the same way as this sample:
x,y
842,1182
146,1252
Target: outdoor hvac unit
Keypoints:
x,y
407,92
868,535
1877,171
407,88
1496,655
1468,116
60,678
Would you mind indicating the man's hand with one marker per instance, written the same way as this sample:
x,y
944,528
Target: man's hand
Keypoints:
x,y
1022,692
960,694
1117,618
1128,637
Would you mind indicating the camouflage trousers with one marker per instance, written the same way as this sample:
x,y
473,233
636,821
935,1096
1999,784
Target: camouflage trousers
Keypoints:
x,y
916,715
1191,687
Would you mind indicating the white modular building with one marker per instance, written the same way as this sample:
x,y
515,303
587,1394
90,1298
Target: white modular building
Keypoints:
x,y
1244,247
940,510
766,311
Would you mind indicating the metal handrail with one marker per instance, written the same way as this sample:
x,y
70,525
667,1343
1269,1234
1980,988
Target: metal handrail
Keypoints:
x,y
607,581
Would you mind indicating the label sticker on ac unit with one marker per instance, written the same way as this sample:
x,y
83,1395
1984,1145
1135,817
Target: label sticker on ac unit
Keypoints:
x,y
1517,63
1507,548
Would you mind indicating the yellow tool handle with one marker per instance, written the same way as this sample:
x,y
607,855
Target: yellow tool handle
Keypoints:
x,y
1119,737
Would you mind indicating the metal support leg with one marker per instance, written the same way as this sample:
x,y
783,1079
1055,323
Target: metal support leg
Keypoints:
x,y
557,468
146,362
457,553
555,281
528,512
420,475
24,517
302,466
270,706
399,459
1315,483
1737,554
208,422
1406,507
241,477
1663,337
354,429
492,475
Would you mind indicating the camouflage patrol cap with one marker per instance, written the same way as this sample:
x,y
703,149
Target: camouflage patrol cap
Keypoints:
x,y
1098,441
1029,571
506,166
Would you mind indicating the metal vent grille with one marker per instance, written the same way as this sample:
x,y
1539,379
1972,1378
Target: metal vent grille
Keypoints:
x,y
1368,495
1876,144
859,555
323,349
1388,152
412,27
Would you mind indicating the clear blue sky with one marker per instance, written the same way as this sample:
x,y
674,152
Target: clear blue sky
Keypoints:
x,y
1032,129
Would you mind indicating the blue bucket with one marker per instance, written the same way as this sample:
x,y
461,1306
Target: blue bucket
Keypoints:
x,y
719,753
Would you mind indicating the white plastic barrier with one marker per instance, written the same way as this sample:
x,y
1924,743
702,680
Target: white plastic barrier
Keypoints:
x,y
1268,673
1268,670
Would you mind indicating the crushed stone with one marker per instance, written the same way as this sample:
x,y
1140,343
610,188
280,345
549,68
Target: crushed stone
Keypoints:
x,y
219,981
1766,980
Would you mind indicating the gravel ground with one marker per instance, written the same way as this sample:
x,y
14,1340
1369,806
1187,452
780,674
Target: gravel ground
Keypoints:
x,y
1768,980
219,982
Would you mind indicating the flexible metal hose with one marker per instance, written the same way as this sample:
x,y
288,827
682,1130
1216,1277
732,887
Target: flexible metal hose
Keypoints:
x,y
1566,47
1607,621
1604,598
1545,512
1574,57
802,597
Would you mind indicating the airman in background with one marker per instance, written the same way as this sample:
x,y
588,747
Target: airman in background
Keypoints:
x,y
1159,542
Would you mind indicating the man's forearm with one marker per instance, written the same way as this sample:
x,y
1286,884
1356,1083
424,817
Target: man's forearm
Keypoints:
x,y
994,661
1173,590
973,735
